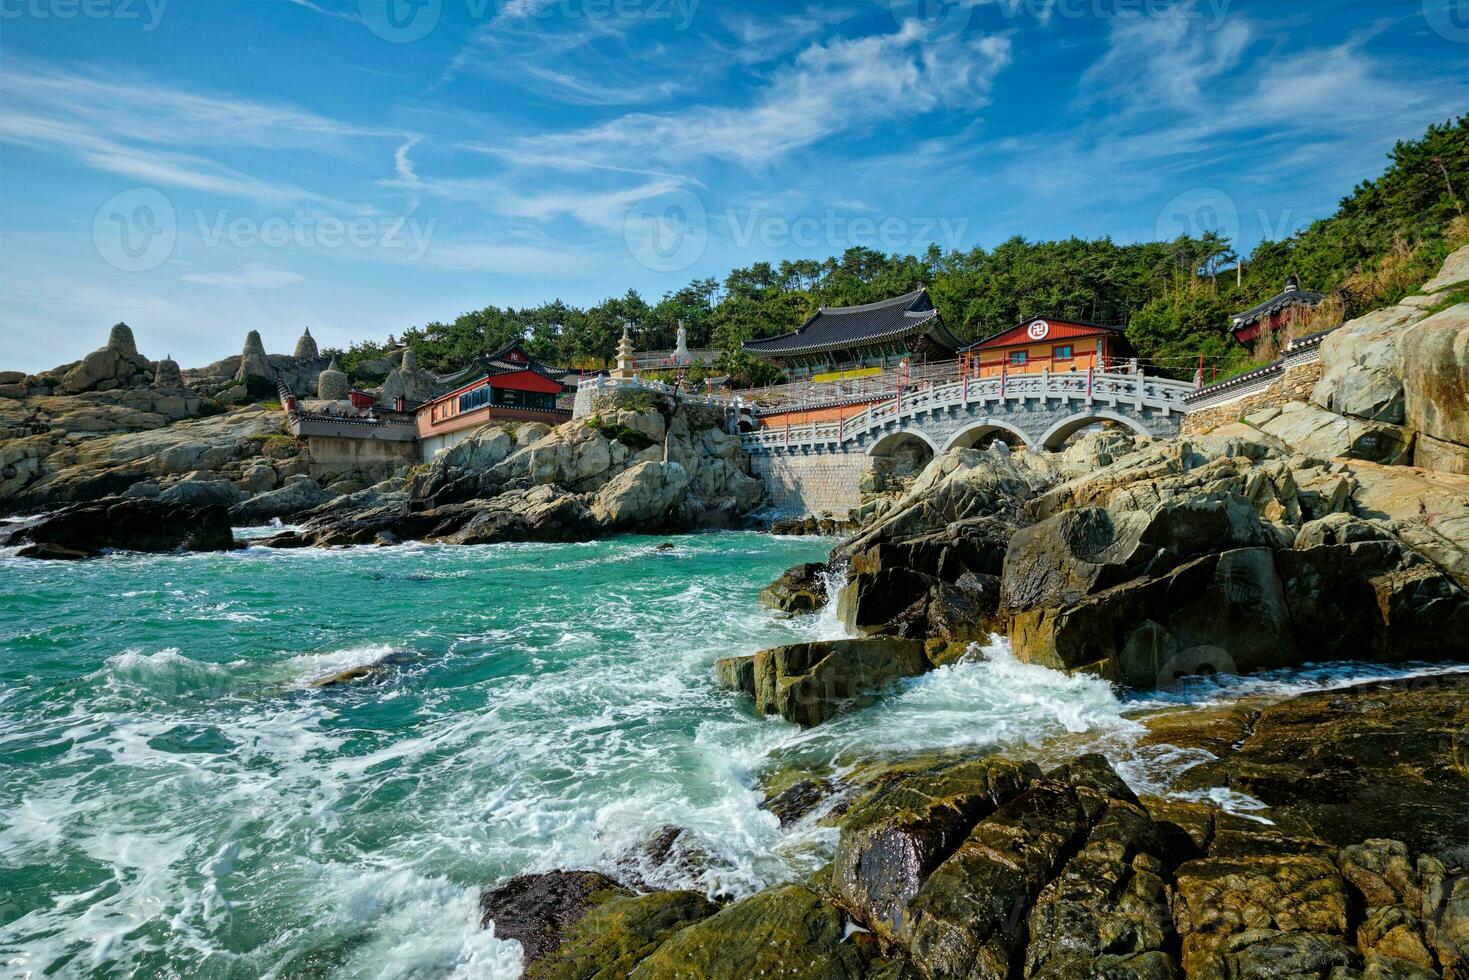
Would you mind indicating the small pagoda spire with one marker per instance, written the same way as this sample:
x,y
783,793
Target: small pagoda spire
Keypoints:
x,y
627,362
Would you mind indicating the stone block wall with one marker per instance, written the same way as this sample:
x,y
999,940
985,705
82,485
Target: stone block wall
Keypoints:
x,y
811,484
1294,385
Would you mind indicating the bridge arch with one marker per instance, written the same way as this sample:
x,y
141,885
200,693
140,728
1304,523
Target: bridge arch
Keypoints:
x,y
1056,436
898,439
969,437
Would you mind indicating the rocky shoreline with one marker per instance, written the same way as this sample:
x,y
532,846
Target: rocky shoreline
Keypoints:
x,y
963,865
1286,537
1325,835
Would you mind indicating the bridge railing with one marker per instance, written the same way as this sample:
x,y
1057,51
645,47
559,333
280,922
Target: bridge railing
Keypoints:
x,y
1136,390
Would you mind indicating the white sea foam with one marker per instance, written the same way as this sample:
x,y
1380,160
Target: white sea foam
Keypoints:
x,y
562,710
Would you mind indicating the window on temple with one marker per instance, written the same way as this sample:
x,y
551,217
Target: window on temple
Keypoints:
x,y
1062,353
1017,356
511,398
478,398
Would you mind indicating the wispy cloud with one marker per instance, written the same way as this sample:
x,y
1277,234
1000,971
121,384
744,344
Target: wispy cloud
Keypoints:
x,y
167,136
253,276
844,86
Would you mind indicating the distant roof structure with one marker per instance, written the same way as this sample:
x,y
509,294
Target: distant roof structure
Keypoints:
x,y
509,359
1057,328
835,328
1291,295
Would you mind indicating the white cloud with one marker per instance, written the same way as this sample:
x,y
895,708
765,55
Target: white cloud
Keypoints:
x,y
160,135
253,276
838,87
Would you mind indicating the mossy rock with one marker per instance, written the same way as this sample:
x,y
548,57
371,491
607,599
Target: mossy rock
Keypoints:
x,y
894,837
282,447
788,932
617,935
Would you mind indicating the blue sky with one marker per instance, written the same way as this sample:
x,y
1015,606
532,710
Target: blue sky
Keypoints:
x,y
200,168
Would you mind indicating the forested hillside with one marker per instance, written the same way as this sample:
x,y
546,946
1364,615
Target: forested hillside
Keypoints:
x,y
1387,236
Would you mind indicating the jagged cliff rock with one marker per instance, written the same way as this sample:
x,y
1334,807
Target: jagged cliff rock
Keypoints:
x,y
1408,365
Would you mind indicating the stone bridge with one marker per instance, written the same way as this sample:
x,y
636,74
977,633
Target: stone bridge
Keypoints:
x,y
818,466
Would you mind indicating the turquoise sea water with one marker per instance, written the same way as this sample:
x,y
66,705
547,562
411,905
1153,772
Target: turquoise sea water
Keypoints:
x,y
176,799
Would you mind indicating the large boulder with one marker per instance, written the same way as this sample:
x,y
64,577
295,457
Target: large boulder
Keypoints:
x,y
1435,354
646,497
1361,367
807,683
574,924
893,839
1313,431
297,497
800,589
134,524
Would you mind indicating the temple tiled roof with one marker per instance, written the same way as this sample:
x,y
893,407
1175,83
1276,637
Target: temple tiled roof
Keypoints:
x,y
833,328
506,360
1291,295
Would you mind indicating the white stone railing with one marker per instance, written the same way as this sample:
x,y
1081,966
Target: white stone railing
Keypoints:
x,y
657,387
1112,390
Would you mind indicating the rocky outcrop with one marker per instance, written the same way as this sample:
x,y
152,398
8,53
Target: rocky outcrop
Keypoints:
x,y
116,365
123,525
1386,759
894,838
789,931
299,495
807,683
1225,564
65,466
1408,365
801,589
1435,355
662,468
573,924
645,497
955,865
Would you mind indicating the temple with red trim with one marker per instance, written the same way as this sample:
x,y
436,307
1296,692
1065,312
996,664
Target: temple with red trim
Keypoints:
x,y
1046,344
506,385
1287,308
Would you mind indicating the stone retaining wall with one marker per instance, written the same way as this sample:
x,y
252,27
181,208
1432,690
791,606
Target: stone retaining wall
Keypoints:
x,y
1293,385
811,484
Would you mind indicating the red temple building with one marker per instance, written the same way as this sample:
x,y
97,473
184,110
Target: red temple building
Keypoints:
x,y
1046,343
507,385
1286,308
